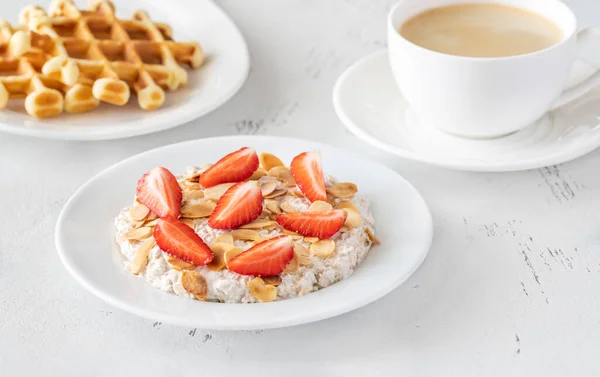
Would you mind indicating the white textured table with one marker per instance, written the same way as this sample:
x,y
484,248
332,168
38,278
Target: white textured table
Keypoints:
x,y
511,286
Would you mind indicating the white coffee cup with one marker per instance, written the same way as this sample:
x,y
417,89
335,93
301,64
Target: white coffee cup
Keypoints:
x,y
487,97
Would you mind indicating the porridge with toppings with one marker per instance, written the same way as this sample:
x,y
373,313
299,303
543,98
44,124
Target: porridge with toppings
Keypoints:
x,y
246,229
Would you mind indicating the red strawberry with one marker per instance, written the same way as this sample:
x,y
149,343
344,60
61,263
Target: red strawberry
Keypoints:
x,y
179,240
241,203
158,190
313,224
267,258
308,174
235,167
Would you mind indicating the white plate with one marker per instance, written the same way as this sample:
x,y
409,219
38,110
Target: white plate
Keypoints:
x,y
370,105
208,87
84,238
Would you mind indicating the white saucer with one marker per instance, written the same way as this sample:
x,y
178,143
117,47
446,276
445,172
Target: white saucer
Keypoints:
x,y
370,105
208,87
86,246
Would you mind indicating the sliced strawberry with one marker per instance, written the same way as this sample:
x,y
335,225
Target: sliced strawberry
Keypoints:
x,y
241,203
179,240
158,190
308,174
235,167
313,224
267,258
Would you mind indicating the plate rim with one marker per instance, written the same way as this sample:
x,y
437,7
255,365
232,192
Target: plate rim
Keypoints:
x,y
378,143
154,126
340,309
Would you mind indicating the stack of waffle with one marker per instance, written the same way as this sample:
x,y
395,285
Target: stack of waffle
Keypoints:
x,y
70,59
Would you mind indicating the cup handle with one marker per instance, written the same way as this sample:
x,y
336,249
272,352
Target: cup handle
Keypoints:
x,y
587,35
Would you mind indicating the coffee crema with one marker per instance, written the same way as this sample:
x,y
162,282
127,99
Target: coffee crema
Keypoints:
x,y
481,30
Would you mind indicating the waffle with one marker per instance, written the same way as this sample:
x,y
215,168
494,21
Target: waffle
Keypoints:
x,y
88,56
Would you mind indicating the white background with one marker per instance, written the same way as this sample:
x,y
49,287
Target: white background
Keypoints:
x,y
511,286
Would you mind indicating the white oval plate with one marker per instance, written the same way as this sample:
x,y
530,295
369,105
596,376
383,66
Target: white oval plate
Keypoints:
x,y
85,240
370,105
208,87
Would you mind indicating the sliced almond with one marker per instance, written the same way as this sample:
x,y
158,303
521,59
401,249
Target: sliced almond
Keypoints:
x,y
179,264
275,193
311,239
221,247
261,291
139,233
137,224
151,223
215,192
225,238
320,206
191,186
259,224
292,267
140,259
139,212
258,173
344,229
192,195
287,207
268,187
189,222
323,248
353,219
346,204
245,235
232,253
197,210
151,216
372,237
272,280
302,254
343,190
273,206
283,174
193,177
268,161
217,263
195,284
295,236
296,192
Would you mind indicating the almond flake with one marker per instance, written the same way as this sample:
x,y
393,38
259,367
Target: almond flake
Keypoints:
x,y
137,224
151,216
197,210
191,195
139,233
245,235
258,173
323,248
353,219
191,186
262,292
320,206
272,280
215,192
268,187
179,264
287,207
140,259
195,284
194,177
151,223
292,267
296,192
346,204
311,239
139,212
258,224
217,263
275,193
295,236
232,253
372,237
343,190
268,161
283,174
273,206
225,238
221,248
302,254
189,222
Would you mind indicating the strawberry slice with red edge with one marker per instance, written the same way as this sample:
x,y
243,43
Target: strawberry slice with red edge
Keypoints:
x,y
159,190
267,258
235,167
179,240
313,224
308,174
241,203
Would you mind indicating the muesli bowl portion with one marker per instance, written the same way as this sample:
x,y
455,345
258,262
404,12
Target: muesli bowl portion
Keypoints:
x,y
246,229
